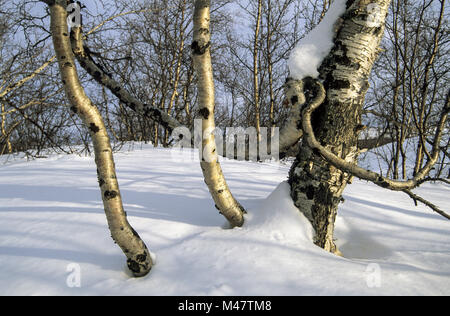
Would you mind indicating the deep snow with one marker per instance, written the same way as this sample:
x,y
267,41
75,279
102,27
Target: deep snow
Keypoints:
x,y
53,226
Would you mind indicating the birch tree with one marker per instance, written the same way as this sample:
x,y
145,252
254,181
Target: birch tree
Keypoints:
x,y
325,114
138,256
331,122
212,172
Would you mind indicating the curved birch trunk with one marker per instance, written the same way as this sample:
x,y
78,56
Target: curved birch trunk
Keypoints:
x,y
138,256
212,172
316,184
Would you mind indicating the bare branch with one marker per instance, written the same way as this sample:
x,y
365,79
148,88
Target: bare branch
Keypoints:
x,y
82,54
355,170
435,208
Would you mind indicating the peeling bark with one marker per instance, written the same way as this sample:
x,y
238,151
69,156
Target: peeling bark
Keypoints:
x,y
316,184
212,171
138,256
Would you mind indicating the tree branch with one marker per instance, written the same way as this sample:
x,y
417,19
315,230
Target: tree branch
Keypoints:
x,y
435,208
81,52
357,171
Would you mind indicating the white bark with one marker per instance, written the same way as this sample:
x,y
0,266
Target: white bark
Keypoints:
x,y
212,171
138,256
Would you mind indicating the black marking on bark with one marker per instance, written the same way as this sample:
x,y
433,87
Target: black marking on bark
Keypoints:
x,y
141,257
204,112
94,128
109,195
294,99
310,192
220,191
97,75
377,31
68,64
316,151
203,31
382,182
74,109
133,266
155,115
199,50
101,182
339,84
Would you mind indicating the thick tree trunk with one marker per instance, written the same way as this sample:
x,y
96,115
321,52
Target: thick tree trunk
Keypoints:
x,y
316,185
212,172
139,260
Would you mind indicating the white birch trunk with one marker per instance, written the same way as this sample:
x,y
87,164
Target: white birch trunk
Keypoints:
x,y
138,256
212,172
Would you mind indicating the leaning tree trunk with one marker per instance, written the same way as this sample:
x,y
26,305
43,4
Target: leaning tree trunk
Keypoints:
x,y
139,260
212,172
316,185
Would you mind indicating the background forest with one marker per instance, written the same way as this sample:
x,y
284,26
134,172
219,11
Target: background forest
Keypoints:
x,y
145,46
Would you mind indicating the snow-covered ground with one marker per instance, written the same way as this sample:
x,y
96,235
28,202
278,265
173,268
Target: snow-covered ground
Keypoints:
x,y
54,238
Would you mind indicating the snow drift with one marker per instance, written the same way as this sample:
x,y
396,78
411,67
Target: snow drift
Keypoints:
x,y
55,241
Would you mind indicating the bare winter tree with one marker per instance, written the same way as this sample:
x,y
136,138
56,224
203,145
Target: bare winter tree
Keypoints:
x,y
409,86
212,172
149,82
332,109
331,122
138,256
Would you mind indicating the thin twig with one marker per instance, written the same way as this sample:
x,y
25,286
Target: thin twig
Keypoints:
x,y
435,208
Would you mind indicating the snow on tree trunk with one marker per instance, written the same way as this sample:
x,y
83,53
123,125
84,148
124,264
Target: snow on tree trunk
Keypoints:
x,y
317,186
139,260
